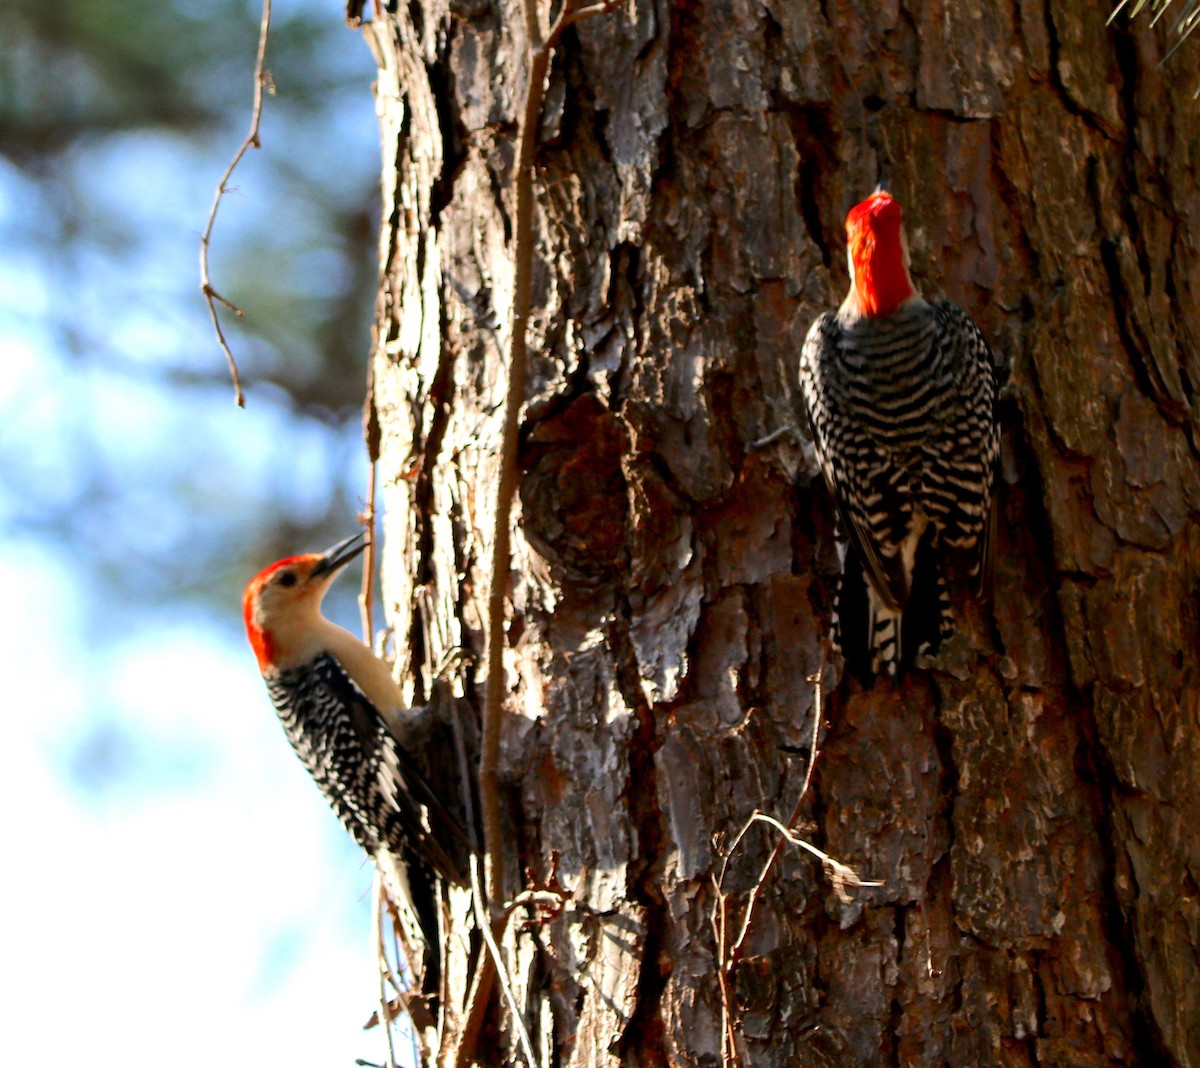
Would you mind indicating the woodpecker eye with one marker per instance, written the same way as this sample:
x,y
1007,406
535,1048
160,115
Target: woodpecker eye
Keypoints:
x,y
287,578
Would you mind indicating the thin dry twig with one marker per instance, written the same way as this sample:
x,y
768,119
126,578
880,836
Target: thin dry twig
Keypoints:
x,y
408,1000
538,52
539,49
490,929
493,711
492,969
774,436
575,11
366,595
550,897
371,435
477,1003
211,296
841,876
366,600
485,976
385,971
546,896
748,917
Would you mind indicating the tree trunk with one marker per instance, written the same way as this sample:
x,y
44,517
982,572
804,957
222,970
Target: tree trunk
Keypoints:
x,y
1030,806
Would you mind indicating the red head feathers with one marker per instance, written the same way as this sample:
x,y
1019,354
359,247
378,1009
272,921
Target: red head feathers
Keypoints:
x,y
258,626
282,605
877,254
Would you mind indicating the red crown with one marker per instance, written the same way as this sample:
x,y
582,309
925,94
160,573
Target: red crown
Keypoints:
x,y
880,277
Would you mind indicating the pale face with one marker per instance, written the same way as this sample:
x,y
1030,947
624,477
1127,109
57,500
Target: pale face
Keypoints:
x,y
282,605
287,586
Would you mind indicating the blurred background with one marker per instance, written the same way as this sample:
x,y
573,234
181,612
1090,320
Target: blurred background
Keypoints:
x,y
174,888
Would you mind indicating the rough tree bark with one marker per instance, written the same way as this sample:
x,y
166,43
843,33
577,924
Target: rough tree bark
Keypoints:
x,y
1032,806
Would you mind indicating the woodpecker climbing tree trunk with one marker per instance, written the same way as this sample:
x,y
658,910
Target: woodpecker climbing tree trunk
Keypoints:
x,y
1033,809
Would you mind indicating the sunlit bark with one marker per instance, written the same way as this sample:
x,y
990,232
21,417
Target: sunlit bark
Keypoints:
x,y
1030,806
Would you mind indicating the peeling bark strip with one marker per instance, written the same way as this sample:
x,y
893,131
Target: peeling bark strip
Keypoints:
x,y
1029,805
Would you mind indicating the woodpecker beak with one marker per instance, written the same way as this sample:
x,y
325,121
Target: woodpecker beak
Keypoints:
x,y
338,556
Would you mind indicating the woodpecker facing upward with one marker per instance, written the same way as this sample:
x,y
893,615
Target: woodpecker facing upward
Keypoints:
x,y
901,397
329,690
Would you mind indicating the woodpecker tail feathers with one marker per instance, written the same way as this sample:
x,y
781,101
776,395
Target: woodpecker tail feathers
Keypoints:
x,y
871,635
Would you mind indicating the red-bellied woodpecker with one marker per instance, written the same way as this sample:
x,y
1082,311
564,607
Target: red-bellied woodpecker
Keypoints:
x,y
901,397
330,690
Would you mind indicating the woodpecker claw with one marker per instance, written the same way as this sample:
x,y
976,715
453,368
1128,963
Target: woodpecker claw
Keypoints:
x,y
338,556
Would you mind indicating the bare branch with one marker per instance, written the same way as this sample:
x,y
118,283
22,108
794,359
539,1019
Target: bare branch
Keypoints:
x,y
538,50
480,993
491,930
211,296
538,57
366,595
575,10
755,893
841,875
385,971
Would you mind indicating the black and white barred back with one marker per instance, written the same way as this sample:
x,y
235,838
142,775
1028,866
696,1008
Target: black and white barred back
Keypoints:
x,y
903,414
362,771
